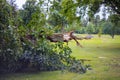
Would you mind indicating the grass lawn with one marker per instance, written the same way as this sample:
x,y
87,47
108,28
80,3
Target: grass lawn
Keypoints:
x,y
104,56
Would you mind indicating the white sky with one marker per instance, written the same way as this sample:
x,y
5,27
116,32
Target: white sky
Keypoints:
x,y
20,3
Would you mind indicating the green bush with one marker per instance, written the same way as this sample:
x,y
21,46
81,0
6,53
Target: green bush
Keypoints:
x,y
48,56
10,51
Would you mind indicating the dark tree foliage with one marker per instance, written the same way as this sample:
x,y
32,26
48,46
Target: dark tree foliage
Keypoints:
x,y
29,8
9,46
115,20
114,4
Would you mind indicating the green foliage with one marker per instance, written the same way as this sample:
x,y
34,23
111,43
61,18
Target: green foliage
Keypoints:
x,y
29,8
100,32
18,53
114,4
41,57
106,68
107,27
115,19
74,26
90,28
56,19
77,67
4,14
9,52
82,30
112,25
9,44
33,20
68,10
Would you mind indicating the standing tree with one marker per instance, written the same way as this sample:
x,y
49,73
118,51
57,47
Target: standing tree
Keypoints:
x,y
56,19
28,9
9,44
115,19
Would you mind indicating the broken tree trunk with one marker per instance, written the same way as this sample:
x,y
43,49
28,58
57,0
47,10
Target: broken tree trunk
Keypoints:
x,y
63,37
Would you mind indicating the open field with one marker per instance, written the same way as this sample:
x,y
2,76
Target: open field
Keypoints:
x,y
103,55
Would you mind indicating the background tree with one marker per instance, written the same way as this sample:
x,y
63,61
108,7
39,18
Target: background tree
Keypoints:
x,y
115,19
90,28
56,19
114,4
28,9
107,27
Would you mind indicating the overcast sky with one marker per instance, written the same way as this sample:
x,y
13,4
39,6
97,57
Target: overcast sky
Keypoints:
x,y
20,3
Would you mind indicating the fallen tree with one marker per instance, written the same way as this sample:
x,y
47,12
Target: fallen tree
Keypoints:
x,y
57,37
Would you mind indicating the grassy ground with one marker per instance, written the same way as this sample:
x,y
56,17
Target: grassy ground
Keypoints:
x,y
104,56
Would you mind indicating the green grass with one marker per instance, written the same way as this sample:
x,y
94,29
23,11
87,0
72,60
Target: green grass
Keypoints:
x,y
103,52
